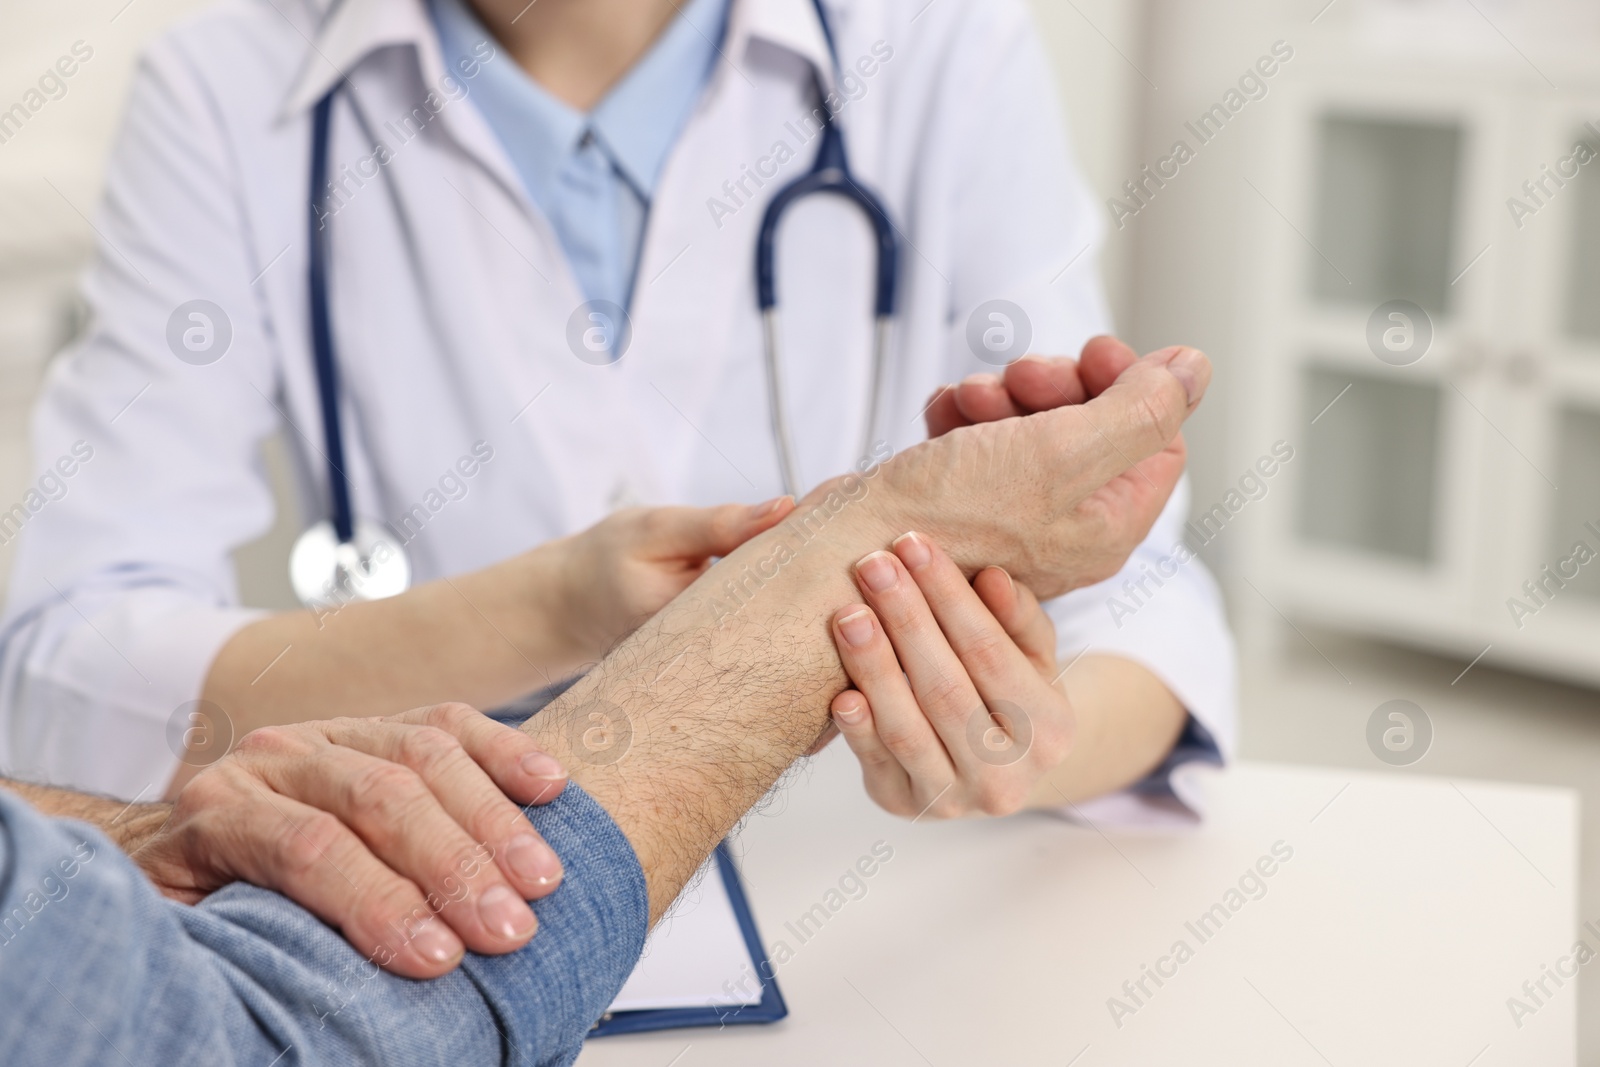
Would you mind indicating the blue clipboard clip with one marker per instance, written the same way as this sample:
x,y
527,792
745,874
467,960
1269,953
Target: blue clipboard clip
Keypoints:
x,y
770,1009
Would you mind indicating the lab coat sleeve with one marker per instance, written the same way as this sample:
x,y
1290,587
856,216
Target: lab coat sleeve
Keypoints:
x,y
1030,232
123,587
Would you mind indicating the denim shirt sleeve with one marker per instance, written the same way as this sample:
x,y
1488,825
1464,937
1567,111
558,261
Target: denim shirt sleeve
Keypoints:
x,y
97,968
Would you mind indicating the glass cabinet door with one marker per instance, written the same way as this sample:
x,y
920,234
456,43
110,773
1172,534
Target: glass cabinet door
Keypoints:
x,y
1548,600
1387,195
1377,351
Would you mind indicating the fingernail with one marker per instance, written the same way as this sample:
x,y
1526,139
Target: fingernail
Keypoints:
x,y
913,550
543,766
1187,367
761,511
985,378
433,941
877,571
506,913
850,715
857,627
533,861
1010,579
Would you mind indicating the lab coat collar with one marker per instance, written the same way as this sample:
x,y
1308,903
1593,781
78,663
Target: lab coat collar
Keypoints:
x,y
351,30
789,24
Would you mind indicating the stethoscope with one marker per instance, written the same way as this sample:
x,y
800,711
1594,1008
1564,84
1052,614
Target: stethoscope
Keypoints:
x,y
342,559
829,174
338,560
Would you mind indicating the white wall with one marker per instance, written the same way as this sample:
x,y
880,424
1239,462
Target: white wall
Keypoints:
x,y
50,178
1097,47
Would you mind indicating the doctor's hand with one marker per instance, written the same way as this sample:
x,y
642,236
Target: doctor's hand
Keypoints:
x,y
621,571
953,710
404,833
1032,383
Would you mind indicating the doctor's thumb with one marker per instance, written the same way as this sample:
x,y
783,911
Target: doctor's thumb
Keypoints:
x,y
702,533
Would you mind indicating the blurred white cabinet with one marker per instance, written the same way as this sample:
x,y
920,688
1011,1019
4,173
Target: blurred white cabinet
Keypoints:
x,y
1431,496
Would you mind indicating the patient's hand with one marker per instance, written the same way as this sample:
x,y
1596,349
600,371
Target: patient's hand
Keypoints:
x,y
1059,498
953,711
376,826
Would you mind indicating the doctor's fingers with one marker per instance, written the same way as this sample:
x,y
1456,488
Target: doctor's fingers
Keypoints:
x,y
701,533
464,791
1020,614
943,688
886,781
905,764
403,823
1020,723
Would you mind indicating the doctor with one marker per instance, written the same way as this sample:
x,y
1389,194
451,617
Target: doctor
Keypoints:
x,y
501,177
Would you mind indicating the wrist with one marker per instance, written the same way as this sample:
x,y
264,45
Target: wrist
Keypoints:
x,y
130,830
542,600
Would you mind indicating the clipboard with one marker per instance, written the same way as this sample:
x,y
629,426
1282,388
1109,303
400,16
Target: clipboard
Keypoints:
x,y
769,1008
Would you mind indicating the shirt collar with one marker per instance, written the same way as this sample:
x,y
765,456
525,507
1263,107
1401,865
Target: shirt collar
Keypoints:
x,y
351,30
536,129
666,82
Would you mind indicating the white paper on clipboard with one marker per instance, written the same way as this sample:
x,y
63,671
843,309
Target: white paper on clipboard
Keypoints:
x,y
696,956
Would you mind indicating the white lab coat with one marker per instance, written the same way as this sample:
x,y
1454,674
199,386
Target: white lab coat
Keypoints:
x,y
451,305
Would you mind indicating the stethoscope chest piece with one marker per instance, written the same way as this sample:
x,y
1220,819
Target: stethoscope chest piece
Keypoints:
x,y
328,574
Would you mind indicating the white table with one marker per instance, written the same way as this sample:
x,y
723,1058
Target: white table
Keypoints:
x,y
1411,909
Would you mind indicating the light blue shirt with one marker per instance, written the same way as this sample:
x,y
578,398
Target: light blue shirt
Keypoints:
x,y
594,175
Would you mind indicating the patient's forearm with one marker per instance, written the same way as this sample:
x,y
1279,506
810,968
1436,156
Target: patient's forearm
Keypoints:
x,y
1127,722
713,710
128,825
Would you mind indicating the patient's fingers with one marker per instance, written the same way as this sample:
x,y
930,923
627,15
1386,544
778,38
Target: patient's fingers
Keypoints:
x,y
1037,383
983,398
392,809
942,414
522,770
309,855
897,729
1102,361
462,788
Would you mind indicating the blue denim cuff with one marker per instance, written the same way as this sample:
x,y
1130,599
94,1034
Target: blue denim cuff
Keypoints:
x,y
591,933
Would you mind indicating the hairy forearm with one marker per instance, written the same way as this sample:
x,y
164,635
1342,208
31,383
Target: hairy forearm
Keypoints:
x,y
128,825
718,694
483,638
1127,721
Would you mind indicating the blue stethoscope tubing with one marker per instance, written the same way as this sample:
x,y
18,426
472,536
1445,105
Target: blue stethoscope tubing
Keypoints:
x,y
322,349
830,174
339,560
